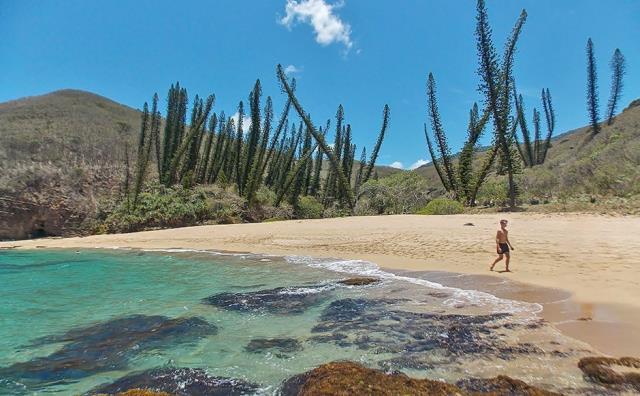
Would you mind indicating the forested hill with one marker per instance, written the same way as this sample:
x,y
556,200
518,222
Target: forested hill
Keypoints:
x,y
60,155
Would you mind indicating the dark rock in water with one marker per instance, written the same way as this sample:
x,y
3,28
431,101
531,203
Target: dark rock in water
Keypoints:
x,y
406,361
359,281
348,378
283,345
281,300
106,346
180,382
502,385
379,326
439,294
599,370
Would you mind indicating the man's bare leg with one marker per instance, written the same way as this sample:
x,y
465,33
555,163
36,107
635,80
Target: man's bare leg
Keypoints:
x,y
507,262
495,262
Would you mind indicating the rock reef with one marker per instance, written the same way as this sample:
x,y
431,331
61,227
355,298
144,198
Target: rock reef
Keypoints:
x,y
602,370
177,382
348,378
379,326
106,346
281,300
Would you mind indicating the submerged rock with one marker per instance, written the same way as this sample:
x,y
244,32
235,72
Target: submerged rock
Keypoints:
x,y
281,345
502,385
359,281
281,300
600,370
378,325
106,346
349,378
177,381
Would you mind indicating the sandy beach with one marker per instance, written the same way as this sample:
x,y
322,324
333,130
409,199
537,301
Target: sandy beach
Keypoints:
x,y
583,268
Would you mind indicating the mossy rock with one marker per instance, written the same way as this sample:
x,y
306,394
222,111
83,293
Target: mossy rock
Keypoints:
x,y
599,370
359,281
349,378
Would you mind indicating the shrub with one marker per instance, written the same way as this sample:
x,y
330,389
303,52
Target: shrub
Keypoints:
x,y
309,208
442,206
403,192
161,207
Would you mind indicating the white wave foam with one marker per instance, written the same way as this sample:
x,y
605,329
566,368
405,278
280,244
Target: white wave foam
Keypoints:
x,y
459,296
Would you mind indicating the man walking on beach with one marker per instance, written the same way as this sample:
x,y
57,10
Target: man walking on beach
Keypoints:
x,y
503,246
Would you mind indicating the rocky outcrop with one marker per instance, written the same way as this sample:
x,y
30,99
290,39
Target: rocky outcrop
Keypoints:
x,y
501,385
106,346
279,346
348,378
359,281
281,300
176,381
602,370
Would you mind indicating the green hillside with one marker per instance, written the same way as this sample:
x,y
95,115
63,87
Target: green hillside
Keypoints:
x,y
578,164
59,154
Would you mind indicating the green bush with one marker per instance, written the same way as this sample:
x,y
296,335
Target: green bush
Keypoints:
x,y
442,206
161,207
309,208
403,192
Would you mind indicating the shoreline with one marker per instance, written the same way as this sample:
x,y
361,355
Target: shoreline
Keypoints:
x,y
563,284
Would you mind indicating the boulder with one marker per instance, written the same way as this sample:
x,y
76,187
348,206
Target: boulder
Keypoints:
x,y
175,381
359,281
600,370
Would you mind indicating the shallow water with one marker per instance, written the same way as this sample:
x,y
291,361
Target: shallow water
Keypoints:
x,y
67,319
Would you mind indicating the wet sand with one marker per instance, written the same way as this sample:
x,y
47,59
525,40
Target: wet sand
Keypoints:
x,y
613,329
584,267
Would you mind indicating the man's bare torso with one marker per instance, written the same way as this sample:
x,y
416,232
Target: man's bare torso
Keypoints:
x,y
502,236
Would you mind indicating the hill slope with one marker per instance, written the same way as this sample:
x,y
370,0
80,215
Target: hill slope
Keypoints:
x,y
607,164
59,154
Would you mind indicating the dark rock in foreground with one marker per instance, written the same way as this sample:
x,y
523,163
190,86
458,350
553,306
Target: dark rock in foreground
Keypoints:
x,y
281,300
178,381
278,345
502,385
599,370
106,346
348,378
359,281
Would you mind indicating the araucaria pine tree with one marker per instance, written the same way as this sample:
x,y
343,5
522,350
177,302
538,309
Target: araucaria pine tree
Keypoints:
x,y
496,87
592,89
617,74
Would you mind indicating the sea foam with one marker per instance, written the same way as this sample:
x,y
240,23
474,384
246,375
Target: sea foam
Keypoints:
x,y
459,296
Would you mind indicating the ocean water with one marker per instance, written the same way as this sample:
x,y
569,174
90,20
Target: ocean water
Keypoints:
x,y
67,318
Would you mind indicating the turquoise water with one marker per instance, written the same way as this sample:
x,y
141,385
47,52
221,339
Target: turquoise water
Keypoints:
x,y
47,293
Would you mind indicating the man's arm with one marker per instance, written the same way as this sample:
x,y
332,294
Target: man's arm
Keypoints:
x,y
498,240
509,242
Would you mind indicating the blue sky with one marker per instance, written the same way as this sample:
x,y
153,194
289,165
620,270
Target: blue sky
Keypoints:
x,y
361,53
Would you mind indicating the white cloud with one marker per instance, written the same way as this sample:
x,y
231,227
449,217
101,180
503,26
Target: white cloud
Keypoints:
x,y
397,165
328,27
418,164
246,121
292,69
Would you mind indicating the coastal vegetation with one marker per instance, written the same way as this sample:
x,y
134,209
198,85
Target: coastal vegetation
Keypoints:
x,y
104,167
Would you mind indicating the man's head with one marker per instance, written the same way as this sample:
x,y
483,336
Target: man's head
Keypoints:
x,y
503,223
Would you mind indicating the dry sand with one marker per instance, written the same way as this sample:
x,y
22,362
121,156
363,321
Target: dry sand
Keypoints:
x,y
594,258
